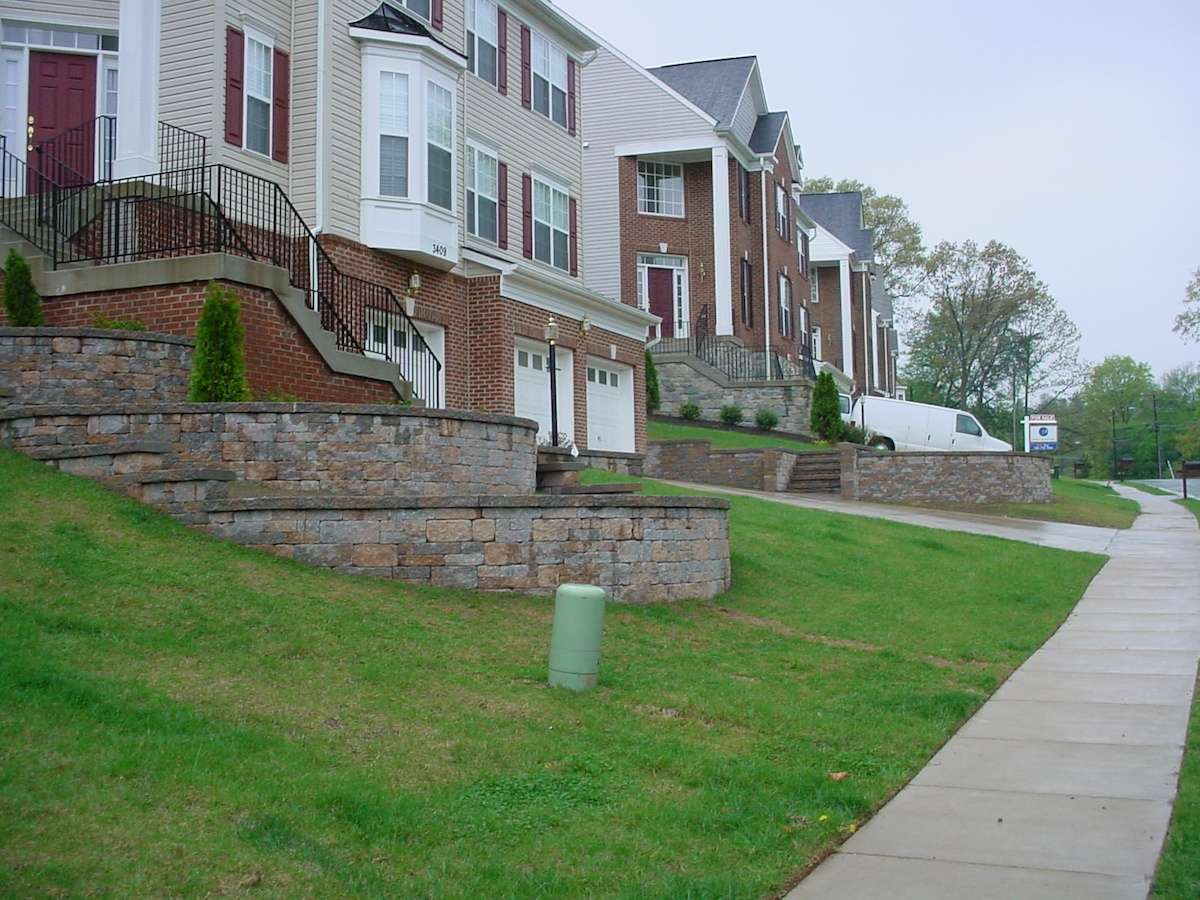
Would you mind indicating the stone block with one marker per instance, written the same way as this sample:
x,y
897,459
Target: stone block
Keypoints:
x,y
448,530
374,555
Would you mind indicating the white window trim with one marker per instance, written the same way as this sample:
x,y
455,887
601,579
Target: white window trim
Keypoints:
x,y
474,146
815,341
682,190
407,133
814,286
682,296
781,211
259,37
785,305
561,189
472,18
548,77
428,84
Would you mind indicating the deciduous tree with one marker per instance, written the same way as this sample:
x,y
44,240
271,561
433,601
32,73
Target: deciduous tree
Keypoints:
x,y
1187,323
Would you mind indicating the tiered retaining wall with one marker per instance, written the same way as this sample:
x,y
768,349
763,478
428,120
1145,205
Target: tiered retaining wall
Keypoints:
x,y
90,365
685,379
956,478
696,461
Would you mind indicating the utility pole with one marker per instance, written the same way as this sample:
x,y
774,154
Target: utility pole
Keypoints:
x,y
1014,405
1157,442
1114,439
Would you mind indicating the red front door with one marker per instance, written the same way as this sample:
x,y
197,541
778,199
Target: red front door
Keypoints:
x,y
62,104
660,285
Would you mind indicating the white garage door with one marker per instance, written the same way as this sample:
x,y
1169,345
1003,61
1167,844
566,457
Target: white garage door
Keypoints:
x,y
610,406
531,366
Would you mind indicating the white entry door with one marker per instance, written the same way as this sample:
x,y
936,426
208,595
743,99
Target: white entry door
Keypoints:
x,y
610,408
531,367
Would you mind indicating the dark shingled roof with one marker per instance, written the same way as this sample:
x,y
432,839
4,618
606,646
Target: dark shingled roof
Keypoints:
x,y
394,21
841,215
767,129
714,85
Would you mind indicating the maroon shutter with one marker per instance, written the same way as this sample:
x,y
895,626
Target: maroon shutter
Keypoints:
x,y
436,14
235,73
742,292
574,238
527,216
502,51
280,102
571,90
526,68
502,205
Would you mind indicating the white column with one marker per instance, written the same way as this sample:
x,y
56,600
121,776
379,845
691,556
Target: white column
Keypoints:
x,y
137,100
722,256
875,348
847,337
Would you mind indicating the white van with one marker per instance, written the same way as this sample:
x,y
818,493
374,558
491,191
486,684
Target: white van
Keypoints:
x,y
900,425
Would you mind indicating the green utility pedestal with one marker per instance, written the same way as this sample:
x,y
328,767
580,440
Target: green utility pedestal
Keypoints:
x,y
575,641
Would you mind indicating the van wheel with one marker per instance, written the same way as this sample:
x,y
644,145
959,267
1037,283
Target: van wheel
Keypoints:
x,y
882,443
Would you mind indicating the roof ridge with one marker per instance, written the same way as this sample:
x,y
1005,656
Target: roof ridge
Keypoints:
x,y
696,62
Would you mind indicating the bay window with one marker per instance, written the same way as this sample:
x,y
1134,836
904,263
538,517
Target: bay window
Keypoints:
x,y
439,113
482,39
549,80
393,134
259,56
482,192
551,225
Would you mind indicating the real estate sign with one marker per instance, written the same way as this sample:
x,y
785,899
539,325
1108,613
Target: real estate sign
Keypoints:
x,y
1041,433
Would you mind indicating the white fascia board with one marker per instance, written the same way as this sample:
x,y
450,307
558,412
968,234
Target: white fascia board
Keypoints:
x,y
565,29
827,248
473,264
707,141
525,285
452,58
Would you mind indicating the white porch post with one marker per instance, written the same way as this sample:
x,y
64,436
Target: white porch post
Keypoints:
x,y
847,337
137,105
722,255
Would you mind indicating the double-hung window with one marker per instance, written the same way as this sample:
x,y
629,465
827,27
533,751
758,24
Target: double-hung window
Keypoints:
x,y
439,128
785,306
482,39
551,225
747,293
781,211
482,192
420,7
816,342
660,188
259,76
814,289
393,134
549,80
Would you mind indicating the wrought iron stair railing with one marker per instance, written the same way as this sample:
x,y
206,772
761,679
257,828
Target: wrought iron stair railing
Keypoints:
x,y
736,362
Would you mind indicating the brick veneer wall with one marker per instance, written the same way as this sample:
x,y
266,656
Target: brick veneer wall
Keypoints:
x,y
88,365
279,357
384,450
637,548
696,461
827,314
681,381
860,332
966,478
784,255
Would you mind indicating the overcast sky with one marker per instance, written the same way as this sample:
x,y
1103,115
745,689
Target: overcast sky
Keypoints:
x,y
1067,129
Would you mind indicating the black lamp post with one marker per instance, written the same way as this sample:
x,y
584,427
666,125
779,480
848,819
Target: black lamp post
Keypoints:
x,y
552,340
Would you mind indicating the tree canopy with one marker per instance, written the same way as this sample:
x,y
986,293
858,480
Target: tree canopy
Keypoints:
x,y
1187,323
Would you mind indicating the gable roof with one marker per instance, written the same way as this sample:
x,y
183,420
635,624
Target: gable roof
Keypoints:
x,y
767,131
714,85
841,215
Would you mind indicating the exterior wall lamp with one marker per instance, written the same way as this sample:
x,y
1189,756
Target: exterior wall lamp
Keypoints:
x,y
410,298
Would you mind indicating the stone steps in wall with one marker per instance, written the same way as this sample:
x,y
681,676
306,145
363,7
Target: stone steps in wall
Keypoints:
x,y
577,489
817,473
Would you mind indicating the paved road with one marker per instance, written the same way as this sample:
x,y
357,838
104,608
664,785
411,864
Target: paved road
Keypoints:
x,y
1049,534
1177,485
1062,785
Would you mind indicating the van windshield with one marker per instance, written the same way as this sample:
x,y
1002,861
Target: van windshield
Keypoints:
x,y
968,425
845,403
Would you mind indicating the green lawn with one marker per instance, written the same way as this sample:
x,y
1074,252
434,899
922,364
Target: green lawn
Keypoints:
x,y
1078,502
726,438
1193,505
180,716
1148,489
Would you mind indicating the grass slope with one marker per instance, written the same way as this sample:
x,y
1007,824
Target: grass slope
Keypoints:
x,y
1077,502
725,438
1148,489
183,716
1191,504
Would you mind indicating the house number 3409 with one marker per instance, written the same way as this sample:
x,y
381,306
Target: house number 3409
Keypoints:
x,y
441,250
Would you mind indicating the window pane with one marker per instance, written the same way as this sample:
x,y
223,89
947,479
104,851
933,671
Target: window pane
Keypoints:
x,y
612,379
420,7
87,41
258,125
14,34
560,250
591,375
471,228
487,219
64,39
393,166
603,377
541,95
258,69
560,107
541,242
485,65
440,116
393,103
109,42
440,178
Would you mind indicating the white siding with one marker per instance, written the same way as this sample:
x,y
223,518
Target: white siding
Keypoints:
x,y
624,105
95,13
303,153
188,67
746,116
824,248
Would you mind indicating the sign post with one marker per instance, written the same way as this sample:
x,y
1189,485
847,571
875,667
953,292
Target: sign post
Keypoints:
x,y
1041,433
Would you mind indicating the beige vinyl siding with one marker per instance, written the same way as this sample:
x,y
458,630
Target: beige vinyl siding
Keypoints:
x,y
94,13
303,152
188,67
275,18
746,116
624,105
528,142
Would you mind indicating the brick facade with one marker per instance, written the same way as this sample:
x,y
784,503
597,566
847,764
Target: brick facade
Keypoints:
x,y
827,315
860,330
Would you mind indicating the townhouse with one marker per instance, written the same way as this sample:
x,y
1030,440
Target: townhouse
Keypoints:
x,y
432,149
690,183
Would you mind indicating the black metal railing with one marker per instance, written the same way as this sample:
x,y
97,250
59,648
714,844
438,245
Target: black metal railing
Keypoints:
x,y
78,155
216,209
736,362
179,148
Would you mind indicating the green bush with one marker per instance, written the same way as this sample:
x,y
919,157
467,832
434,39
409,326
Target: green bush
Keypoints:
x,y
21,300
732,415
689,411
653,394
766,419
102,321
219,364
853,433
826,415
276,395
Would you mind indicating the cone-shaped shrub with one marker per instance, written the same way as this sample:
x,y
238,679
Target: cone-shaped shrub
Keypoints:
x,y
653,395
826,416
21,301
219,364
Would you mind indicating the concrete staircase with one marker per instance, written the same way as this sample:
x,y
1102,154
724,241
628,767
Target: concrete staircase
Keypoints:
x,y
817,473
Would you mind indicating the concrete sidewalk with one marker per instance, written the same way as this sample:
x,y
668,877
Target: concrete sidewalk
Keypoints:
x,y
1084,538
1061,785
